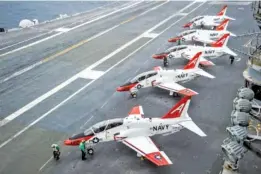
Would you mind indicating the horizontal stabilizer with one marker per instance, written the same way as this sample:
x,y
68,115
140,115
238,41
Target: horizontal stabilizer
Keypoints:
x,y
232,34
206,63
227,17
190,125
204,73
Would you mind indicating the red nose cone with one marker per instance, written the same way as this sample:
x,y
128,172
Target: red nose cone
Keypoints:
x,y
126,87
76,141
160,56
187,25
70,142
175,39
122,89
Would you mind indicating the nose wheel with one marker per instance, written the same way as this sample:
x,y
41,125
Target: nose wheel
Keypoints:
x,y
133,94
165,62
90,151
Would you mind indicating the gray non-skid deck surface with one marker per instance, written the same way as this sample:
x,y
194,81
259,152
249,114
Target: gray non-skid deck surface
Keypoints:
x,y
190,154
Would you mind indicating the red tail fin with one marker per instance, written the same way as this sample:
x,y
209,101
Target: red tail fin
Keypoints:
x,y
222,11
220,42
193,62
178,109
222,25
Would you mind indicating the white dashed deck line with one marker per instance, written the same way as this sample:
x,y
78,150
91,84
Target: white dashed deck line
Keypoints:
x,y
182,14
9,46
62,29
229,3
91,74
150,35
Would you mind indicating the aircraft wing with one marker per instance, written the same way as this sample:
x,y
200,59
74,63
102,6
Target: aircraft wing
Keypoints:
x,y
174,87
203,61
146,147
136,111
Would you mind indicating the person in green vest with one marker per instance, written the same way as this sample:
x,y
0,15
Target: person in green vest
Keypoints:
x,y
56,151
179,42
83,150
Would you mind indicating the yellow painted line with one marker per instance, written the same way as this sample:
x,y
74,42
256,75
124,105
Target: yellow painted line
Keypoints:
x,y
76,45
65,51
128,20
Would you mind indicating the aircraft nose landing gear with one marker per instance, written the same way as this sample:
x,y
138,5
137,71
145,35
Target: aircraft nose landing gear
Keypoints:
x,y
133,94
165,62
90,151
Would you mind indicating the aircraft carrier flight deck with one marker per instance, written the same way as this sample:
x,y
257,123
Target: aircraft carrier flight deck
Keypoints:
x,y
59,78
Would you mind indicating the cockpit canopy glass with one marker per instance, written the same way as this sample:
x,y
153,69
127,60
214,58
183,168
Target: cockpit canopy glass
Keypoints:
x,y
177,48
197,18
144,76
103,125
187,32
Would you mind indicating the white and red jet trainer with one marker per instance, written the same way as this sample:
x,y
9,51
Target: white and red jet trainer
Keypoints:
x,y
215,50
208,21
167,79
203,36
135,131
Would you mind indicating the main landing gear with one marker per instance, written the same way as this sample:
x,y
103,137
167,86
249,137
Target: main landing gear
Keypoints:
x,y
165,62
174,94
140,156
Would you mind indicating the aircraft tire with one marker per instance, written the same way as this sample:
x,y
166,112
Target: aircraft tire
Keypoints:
x,y
90,151
95,140
165,62
133,95
175,94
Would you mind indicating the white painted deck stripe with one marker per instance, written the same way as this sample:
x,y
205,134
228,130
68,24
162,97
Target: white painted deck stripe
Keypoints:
x,y
229,3
150,35
62,29
182,14
25,40
91,74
